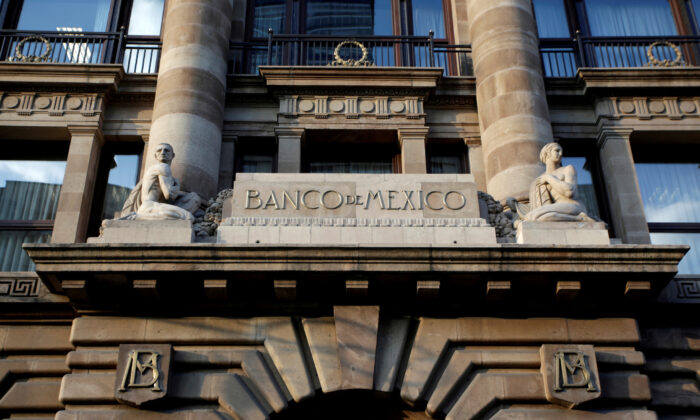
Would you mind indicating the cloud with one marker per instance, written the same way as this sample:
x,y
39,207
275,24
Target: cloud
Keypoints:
x,y
31,171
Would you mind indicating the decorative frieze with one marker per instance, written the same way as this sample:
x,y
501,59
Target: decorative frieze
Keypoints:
x,y
19,286
646,108
54,105
350,107
352,221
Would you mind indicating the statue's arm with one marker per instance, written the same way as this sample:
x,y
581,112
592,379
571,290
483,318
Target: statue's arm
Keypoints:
x,y
566,186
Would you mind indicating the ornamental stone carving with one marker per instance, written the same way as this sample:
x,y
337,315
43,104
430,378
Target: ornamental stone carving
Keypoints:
x,y
553,195
158,195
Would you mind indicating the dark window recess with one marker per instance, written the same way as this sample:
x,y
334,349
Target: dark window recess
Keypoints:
x,y
351,151
446,157
255,155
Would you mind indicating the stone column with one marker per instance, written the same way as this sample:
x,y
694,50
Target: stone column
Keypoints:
x,y
513,112
476,162
622,187
75,201
289,149
412,142
189,105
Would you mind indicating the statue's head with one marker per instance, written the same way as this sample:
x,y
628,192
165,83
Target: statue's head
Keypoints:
x,y
552,151
164,153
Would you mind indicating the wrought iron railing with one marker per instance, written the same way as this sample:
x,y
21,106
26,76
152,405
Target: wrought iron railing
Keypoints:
x,y
70,45
563,57
380,51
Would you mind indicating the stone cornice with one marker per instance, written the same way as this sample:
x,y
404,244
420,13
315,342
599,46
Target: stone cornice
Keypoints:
x,y
65,77
672,78
612,273
321,79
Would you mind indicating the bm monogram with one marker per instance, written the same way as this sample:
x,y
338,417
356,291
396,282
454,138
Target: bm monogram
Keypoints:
x,y
136,371
570,371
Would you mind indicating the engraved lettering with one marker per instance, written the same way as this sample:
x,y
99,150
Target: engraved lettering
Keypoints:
x,y
358,200
134,365
564,371
303,199
392,196
293,201
445,200
349,199
407,195
323,199
427,201
371,195
272,201
254,194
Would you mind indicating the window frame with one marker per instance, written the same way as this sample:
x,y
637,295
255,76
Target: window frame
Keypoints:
x,y
395,22
253,145
447,147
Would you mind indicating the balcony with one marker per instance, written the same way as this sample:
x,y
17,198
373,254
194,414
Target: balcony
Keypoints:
x,y
137,54
379,51
561,58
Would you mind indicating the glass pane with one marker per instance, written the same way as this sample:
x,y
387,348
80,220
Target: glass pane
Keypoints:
x,y
29,190
585,190
551,18
348,17
122,178
268,14
630,18
256,163
146,17
445,165
64,15
427,16
670,191
351,167
690,264
12,256
696,11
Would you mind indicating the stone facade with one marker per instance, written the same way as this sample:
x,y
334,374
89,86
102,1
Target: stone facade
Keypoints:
x,y
311,295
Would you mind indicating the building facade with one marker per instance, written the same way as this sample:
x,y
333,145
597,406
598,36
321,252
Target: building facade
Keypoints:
x,y
358,252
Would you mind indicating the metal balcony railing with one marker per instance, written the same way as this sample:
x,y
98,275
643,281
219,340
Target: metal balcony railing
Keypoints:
x,y
380,51
70,45
563,57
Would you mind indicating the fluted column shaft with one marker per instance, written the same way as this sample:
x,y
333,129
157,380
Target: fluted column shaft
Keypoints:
x,y
189,105
513,112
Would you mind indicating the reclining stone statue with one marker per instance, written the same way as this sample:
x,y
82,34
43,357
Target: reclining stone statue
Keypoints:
x,y
553,194
158,196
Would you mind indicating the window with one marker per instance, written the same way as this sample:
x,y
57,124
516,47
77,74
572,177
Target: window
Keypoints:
x,y
29,192
349,151
255,155
583,156
446,157
348,17
120,165
602,24
64,15
669,183
326,23
142,51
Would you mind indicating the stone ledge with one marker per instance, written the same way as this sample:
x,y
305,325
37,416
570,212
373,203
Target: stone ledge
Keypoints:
x,y
90,77
179,274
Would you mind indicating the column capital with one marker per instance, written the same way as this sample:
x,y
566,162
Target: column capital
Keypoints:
x,y
86,130
605,133
472,141
412,133
289,132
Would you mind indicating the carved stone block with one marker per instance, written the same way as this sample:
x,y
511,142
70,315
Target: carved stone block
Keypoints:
x,y
570,373
143,371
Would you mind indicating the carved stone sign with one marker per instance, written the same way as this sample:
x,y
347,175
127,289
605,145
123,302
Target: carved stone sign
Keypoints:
x,y
142,373
349,195
570,374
